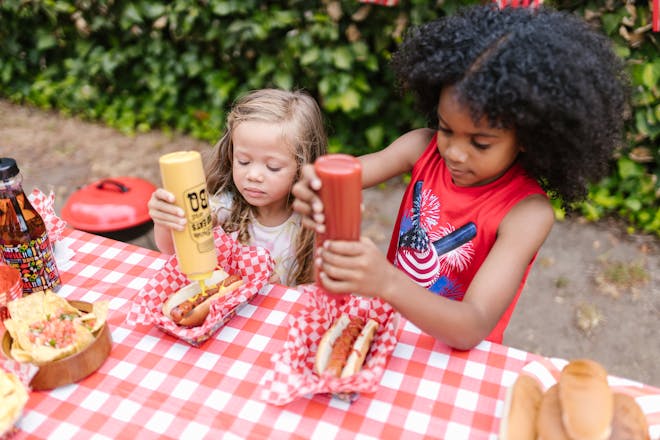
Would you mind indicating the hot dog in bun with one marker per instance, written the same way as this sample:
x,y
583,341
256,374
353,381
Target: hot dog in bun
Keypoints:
x,y
189,307
344,346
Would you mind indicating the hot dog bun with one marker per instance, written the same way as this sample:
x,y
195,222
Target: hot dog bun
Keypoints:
x,y
521,407
220,279
586,400
344,346
629,421
548,423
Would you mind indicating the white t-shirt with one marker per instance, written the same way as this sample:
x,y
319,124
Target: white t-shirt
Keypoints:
x,y
278,240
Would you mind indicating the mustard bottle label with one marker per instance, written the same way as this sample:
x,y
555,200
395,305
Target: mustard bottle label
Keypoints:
x,y
200,222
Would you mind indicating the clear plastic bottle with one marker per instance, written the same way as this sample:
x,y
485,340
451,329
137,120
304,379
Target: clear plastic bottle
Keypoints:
x,y
23,236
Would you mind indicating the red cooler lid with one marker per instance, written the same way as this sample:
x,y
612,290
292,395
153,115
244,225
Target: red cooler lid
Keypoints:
x,y
109,205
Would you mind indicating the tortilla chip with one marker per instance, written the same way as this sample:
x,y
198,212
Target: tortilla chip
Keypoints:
x,y
54,303
13,396
97,317
36,306
46,308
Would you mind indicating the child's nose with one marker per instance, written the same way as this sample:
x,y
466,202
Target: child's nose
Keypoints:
x,y
456,152
255,174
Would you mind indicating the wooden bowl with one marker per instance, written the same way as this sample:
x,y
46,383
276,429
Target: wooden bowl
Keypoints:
x,y
71,368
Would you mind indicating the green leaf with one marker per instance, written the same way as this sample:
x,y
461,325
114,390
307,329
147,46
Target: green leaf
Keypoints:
x,y
283,79
633,204
131,14
651,75
590,211
629,169
603,198
45,41
375,135
342,58
310,56
350,100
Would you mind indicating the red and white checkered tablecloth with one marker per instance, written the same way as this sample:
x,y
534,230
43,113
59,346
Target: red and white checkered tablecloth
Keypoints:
x,y
156,386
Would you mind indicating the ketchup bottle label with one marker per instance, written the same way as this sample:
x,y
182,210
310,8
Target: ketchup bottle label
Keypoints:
x,y
36,263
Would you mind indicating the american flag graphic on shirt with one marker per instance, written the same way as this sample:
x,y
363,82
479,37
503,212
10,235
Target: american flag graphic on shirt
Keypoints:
x,y
429,253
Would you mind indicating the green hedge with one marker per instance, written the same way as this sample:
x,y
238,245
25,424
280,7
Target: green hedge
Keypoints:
x,y
139,65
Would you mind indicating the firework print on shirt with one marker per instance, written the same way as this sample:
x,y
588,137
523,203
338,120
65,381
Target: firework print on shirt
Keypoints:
x,y
430,253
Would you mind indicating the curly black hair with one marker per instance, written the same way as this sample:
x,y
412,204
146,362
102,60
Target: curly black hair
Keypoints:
x,y
546,74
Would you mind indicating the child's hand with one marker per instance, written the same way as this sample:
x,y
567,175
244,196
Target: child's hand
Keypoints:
x,y
353,266
164,212
307,202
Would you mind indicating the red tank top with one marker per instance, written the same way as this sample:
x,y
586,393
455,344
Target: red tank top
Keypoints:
x,y
444,232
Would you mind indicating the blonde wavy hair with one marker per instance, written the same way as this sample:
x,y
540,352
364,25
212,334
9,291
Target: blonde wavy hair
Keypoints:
x,y
303,124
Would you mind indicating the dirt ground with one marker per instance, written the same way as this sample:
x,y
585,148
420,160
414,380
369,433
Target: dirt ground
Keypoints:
x,y
594,291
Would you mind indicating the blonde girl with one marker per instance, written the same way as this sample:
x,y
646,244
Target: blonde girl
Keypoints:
x,y
270,134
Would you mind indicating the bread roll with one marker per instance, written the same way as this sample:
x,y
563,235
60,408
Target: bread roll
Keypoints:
x,y
548,423
629,421
520,409
586,400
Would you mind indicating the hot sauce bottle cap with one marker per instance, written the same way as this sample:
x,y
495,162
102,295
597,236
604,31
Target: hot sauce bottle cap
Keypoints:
x,y
8,168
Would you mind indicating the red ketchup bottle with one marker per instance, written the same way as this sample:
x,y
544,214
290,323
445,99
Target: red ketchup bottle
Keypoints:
x,y
341,194
24,239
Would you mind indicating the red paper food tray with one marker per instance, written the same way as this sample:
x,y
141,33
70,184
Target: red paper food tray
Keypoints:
x,y
293,373
253,264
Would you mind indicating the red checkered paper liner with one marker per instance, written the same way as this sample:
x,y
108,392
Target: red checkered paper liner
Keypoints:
x,y
45,206
253,264
25,371
547,371
293,373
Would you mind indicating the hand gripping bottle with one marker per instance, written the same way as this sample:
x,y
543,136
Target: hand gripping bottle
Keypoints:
x,y
23,236
182,174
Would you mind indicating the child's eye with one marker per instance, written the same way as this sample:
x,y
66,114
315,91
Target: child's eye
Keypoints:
x,y
479,145
274,169
242,162
444,130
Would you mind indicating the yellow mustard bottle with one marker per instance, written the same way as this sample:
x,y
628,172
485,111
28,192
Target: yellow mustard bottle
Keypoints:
x,y
182,174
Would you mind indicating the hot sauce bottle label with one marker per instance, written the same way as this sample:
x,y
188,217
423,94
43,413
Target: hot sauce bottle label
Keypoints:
x,y
199,217
36,263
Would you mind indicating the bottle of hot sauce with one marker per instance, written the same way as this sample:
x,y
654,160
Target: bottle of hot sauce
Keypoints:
x,y
23,236
182,174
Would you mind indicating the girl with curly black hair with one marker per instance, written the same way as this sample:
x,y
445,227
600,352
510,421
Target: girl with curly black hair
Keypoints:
x,y
523,103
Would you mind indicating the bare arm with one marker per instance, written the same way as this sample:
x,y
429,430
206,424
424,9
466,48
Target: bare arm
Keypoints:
x,y
396,159
348,266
